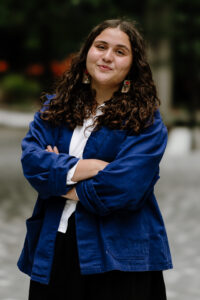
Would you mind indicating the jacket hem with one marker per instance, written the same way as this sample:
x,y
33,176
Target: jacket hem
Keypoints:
x,y
101,269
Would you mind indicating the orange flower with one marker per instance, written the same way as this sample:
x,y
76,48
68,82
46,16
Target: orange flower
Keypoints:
x,y
59,67
35,69
3,66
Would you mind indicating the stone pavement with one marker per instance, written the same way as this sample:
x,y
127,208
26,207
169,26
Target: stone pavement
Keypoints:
x,y
15,119
178,195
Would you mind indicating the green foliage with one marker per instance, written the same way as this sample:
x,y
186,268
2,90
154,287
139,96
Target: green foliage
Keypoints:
x,y
40,31
18,88
60,28
186,52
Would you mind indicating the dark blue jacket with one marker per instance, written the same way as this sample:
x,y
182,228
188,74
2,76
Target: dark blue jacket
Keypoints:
x,y
118,222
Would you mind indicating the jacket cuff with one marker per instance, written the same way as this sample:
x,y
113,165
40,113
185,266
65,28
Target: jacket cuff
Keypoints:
x,y
70,174
59,187
89,198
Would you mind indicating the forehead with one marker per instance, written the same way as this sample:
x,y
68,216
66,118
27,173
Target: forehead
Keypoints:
x,y
114,36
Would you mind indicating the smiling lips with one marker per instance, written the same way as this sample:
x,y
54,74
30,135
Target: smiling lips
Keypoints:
x,y
104,68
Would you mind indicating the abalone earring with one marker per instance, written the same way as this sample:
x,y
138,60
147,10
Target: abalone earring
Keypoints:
x,y
86,77
126,86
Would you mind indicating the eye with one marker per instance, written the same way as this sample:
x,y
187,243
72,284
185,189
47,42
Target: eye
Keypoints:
x,y
101,47
120,52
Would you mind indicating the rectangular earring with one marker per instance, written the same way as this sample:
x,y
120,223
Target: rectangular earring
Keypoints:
x,y
126,86
86,77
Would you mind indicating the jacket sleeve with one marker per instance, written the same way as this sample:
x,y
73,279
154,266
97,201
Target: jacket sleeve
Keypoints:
x,y
45,171
127,182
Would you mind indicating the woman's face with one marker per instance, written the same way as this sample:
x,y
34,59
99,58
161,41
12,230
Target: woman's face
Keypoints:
x,y
109,59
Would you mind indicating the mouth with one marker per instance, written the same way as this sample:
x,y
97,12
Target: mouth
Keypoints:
x,y
104,68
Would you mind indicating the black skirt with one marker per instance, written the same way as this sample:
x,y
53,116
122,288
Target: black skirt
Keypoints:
x,y
67,283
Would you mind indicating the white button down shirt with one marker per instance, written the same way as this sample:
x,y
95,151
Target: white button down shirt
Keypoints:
x,y
76,148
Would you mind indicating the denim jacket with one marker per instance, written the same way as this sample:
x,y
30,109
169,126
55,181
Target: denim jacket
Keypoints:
x,y
118,222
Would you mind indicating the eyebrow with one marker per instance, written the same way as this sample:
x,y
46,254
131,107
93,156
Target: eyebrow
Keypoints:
x,y
118,45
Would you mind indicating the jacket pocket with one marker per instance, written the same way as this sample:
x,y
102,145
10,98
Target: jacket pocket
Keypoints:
x,y
127,249
33,232
159,250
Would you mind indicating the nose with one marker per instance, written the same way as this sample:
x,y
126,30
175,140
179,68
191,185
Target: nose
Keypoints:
x,y
108,56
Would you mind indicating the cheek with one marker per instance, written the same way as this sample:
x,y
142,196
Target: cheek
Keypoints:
x,y
125,66
89,63
123,70
92,56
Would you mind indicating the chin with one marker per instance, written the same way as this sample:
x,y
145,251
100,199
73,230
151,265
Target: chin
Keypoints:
x,y
104,80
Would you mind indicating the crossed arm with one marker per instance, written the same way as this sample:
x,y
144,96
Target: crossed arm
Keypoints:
x,y
86,168
124,183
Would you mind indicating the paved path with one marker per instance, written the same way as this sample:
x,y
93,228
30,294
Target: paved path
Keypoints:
x,y
15,119
178,194
179,197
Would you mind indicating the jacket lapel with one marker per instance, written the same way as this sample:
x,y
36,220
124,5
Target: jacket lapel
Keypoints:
x,y
94,142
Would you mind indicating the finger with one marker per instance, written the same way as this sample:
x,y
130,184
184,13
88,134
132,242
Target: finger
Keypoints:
x,y
55,149
49,148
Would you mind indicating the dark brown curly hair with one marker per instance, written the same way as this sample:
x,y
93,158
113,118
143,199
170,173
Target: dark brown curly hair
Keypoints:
x,y
74,101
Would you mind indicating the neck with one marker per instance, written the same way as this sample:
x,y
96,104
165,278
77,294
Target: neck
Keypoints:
x,y
103,93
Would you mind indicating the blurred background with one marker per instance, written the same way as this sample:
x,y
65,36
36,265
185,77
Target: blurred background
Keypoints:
x,y
38,39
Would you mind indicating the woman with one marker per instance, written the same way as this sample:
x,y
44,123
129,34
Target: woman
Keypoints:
x,y
98,142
